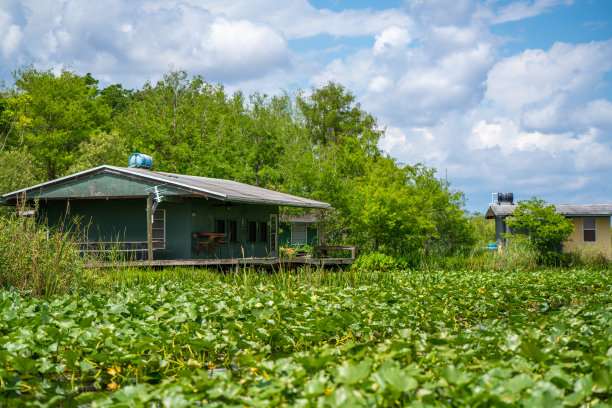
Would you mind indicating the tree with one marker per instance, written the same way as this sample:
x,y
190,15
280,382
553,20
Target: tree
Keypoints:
x,y
484,229
18,169
103,148
181,123
332,116
382,215
13,119
331,145
62,112
536,225
443,221
261,129
400,209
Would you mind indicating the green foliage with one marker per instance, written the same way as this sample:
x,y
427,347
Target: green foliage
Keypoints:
x,y
333,146
333,118
33,262
19,169
484,229
393,338
322,146
403,209
103,148
183,124
377,261
63,111
536,225
262,129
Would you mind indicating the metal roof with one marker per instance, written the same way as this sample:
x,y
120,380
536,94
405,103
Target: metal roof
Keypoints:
x,y
220,189
302,219
569,210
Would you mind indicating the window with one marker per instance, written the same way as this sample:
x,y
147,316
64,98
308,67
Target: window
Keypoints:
x,y
589,228
220,226
274,235
159,229
263,231
232,230
252,230
298,235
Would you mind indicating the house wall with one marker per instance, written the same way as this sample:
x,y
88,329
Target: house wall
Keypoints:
x,y
121,220
125,220
312,235
603,242
204,215
500,229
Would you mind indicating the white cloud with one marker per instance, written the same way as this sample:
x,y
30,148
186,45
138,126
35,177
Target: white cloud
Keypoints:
x,y
391,38
299,19
544,87
520,10
508,137
145,38
394,141
10,35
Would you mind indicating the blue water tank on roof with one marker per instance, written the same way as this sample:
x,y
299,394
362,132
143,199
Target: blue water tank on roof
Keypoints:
x,y
141,161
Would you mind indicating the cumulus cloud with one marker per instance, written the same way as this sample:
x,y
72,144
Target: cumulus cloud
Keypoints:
x,y
121,37
545,87
391,38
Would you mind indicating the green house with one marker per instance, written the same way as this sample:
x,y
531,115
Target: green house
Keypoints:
x,y
193,218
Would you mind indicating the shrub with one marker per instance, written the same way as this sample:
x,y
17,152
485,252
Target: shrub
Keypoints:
x,y
376,261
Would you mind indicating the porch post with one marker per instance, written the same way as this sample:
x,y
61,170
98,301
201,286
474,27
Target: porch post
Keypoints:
x,y
150,227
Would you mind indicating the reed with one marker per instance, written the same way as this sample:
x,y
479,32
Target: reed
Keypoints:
x,y
38,261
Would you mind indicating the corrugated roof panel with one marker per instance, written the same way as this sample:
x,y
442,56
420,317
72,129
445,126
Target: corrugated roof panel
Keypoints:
x,y
569,210
226,190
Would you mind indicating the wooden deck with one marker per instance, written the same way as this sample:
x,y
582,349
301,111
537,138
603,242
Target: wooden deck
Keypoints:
x,y
233,262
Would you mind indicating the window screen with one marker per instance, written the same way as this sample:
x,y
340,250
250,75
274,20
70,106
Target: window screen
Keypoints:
x,y
298,235
589,228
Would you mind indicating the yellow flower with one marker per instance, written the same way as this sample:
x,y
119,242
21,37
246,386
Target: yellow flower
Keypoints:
x,y
113,386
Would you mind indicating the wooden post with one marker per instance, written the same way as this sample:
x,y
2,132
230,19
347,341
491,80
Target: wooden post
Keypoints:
x,y
150,226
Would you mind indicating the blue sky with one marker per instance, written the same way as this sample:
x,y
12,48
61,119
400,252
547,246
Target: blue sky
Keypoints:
x,y
500,95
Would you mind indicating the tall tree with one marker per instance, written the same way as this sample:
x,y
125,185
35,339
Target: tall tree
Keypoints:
x,y
335,141
180,122
331,115
445,226
63,111
261,135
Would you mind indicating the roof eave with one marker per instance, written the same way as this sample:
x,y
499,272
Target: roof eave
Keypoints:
x,y
280,202
586,214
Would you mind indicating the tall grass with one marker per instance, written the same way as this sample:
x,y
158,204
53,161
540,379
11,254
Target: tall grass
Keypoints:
x,y
245,280
35,261
510,258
